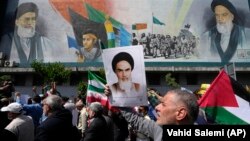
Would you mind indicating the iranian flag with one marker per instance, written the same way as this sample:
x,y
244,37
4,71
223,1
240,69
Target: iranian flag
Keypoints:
x,y
95,92
226,101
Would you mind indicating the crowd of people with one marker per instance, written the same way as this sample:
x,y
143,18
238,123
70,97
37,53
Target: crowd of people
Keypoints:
x,y
56,117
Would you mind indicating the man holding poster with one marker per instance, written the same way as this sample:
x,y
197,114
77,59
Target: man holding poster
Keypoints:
x,y
120,65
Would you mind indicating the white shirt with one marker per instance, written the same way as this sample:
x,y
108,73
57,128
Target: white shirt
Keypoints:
x,y
23,127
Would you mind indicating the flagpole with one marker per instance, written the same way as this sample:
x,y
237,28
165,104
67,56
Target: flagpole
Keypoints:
x,y
152,22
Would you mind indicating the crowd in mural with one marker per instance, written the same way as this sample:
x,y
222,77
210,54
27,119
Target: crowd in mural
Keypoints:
x,y
159,45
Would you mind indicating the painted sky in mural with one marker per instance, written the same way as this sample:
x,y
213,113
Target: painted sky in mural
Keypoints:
x,y
169,30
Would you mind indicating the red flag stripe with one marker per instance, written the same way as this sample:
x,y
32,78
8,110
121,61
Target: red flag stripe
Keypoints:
x,y
220,93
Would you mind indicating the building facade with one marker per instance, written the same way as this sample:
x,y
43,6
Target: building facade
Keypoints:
x,y
170,32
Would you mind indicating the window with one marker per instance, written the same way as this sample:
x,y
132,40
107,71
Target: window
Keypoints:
x,y
37,80
153,78
192,79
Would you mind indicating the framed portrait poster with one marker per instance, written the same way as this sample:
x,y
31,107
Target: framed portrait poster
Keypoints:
x,y
125,74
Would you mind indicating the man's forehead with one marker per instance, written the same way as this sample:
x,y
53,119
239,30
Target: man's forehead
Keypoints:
x,y
221,8
122,62
29,14
168,96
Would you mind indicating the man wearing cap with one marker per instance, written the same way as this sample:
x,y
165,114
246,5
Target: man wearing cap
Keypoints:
x,y
227,39
22,126
26,44
123,65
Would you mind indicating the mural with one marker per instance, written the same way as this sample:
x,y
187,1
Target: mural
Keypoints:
x,y
77,31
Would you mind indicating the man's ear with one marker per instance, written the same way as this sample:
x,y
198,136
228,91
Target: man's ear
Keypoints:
x,y
94,40
181,113
17,22
232,16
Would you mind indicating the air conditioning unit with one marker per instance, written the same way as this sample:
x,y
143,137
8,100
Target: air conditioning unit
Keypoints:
x,y
8,63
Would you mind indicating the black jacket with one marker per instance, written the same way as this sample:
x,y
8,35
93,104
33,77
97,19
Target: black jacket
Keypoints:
x,y
97,130
58,126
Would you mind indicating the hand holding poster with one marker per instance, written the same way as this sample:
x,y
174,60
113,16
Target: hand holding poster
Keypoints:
x,y
125,73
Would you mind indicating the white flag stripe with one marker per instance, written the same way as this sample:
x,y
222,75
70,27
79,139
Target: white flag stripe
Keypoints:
x,y
97,84
242,111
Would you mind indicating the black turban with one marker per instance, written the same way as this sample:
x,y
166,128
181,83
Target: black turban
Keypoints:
x,y
122,56
228,5
26,7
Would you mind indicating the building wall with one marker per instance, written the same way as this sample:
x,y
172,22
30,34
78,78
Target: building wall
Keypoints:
x,y
24,81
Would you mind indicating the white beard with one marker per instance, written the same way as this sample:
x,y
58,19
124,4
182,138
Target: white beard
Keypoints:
x,y
125,85
225,28
25,32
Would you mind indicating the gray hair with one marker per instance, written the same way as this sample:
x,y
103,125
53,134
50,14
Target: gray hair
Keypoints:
x,y
54,102
97,108
190,101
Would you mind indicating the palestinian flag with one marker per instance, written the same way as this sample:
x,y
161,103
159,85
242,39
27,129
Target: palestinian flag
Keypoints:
x,y
226,101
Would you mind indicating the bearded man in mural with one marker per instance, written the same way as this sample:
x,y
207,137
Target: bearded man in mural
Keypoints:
x,y
26,44
227,40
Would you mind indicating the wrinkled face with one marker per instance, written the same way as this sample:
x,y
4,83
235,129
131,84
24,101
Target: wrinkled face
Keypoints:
x,y
26,25
27,20
123,71
223,15
88,41
45,109
170,110
91,113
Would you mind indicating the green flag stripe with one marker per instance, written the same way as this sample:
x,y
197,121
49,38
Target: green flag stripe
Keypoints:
x,y
98,16
156,21
222,116
95,89
134,27
95,77
111,43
